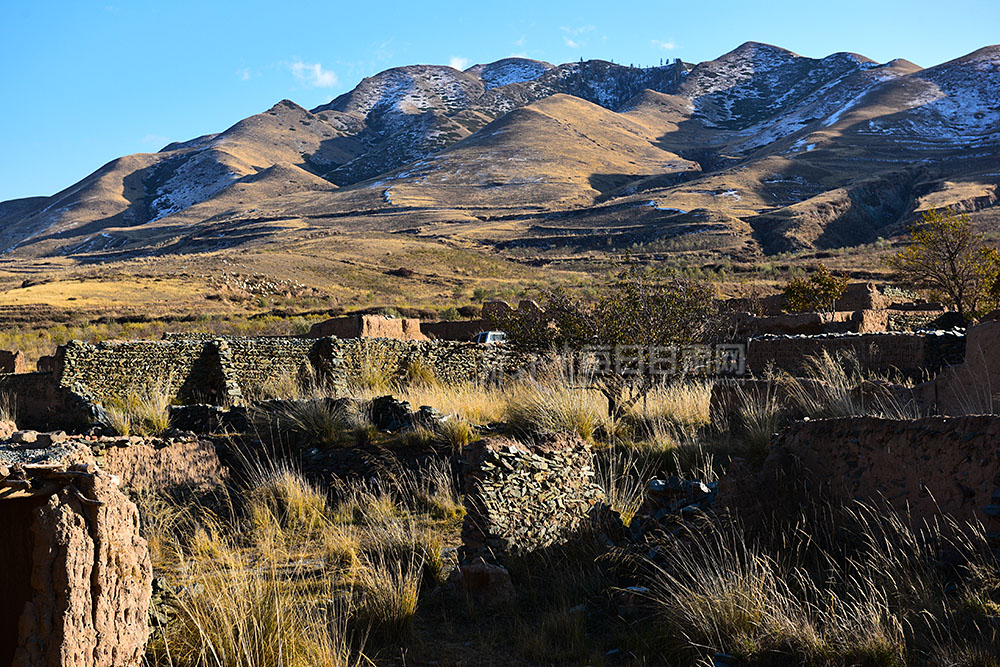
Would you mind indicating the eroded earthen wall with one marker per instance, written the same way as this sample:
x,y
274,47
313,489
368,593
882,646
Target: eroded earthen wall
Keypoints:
x,y
928,467
912,354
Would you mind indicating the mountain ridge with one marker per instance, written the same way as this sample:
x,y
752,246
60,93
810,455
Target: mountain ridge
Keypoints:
x,y
762,146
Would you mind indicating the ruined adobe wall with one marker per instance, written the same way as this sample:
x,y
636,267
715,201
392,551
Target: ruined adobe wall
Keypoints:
x,y
929,466
38,401
12,362
911,353
76,577
454,329
368,326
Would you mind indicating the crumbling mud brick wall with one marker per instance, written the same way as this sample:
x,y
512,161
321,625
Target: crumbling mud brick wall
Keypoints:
x,y
454,329
928,467
77,578
368,326
40,402
12,362
522,498
973,386
913,354
165,465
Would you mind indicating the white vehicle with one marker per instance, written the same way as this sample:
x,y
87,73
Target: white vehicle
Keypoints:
x,y
488,337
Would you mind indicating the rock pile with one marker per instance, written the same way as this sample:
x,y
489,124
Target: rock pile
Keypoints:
x,y
669,501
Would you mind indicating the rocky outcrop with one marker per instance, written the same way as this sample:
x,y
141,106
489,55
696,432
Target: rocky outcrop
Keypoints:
x,y
76,580
522,498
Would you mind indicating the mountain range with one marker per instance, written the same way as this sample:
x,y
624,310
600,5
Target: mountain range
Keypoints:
x,y
758,152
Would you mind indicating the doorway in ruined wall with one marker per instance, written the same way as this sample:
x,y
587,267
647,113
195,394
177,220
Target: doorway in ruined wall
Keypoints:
x,y
16,552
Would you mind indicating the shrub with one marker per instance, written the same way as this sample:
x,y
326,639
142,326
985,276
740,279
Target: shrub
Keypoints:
x,y
816,293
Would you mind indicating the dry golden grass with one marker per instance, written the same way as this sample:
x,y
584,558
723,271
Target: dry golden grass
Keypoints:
x,y
859,587
142,411
294,578
684,402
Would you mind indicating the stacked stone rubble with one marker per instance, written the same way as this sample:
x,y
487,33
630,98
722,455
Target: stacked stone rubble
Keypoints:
x,y
523,498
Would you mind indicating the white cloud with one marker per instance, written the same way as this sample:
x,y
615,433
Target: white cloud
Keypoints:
x,y
521,41
313,74
458,62
573,35
243,74
666,46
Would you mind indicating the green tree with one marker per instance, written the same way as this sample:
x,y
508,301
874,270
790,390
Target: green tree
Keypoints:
x,y
952,262
817,292
639,311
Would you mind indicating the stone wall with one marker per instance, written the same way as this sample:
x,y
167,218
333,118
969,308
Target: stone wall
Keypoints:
x,y
522,498
913,354
250,363
187,369
929,467
228,370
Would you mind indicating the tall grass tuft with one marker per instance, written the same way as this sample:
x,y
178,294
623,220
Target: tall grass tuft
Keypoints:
x,y
563,402
456,433
8,407
375,367
623,473
243,613
143,411
312,422
758,415
856,584
837,386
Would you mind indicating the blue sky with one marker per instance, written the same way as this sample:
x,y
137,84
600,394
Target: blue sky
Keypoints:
x,y
85,82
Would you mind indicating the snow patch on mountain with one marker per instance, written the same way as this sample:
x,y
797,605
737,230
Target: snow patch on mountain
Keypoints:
x,y
509,70
193,181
